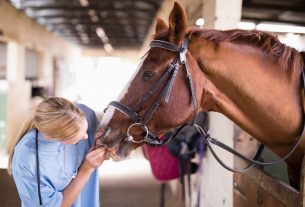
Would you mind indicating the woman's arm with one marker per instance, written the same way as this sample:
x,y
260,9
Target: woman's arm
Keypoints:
x,y
93,160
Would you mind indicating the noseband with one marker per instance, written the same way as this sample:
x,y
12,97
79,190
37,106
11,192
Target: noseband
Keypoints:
x,y
169,76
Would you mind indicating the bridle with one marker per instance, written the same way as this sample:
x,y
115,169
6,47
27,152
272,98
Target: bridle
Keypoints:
x,y
170,73
168,76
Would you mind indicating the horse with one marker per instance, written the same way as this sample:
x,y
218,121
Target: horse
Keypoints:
x,y
248,76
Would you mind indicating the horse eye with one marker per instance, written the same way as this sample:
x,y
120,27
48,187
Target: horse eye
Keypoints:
x,y
148,75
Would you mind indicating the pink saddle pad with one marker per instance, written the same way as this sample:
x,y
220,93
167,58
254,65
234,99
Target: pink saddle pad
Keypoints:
x,y
163,164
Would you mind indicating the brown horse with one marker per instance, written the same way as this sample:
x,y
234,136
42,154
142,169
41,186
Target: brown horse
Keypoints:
x,y
249,76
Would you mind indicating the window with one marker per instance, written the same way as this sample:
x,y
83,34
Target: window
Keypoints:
x,y
31,65
3,59
3,122
3,98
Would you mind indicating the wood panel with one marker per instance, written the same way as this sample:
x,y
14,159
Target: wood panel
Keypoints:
x,y
258,189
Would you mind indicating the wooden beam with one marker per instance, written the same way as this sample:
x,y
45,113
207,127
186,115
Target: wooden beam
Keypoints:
x,y
20,28
278,189
288,7
273,19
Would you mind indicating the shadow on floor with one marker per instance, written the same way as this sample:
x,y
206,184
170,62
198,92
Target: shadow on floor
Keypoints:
x,y
130,183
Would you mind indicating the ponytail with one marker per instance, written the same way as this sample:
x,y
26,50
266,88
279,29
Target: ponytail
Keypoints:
x,y
27,125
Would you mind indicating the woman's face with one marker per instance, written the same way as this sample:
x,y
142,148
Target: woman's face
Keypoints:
x,y
82,134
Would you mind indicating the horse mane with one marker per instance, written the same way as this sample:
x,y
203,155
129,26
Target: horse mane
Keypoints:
x,y
268,43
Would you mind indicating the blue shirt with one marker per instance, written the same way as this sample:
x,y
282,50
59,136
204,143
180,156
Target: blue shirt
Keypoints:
x,y
58,163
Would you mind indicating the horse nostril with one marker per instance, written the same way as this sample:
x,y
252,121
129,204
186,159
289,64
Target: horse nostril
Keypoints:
x,y
99,143
107,143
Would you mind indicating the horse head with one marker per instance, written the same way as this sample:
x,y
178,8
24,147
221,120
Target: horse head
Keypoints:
x,y
161,93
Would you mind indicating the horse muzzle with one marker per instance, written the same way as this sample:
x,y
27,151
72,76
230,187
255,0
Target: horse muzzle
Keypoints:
x,y
103,139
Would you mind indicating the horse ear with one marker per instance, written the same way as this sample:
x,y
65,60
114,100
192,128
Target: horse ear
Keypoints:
x,y
177,24
161,25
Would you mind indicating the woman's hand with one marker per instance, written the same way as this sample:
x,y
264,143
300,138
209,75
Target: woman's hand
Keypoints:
x,y
94,159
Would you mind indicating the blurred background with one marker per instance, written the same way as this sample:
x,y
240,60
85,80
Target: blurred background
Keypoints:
x,y
87,50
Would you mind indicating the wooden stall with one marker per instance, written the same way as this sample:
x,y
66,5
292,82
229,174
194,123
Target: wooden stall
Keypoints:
x,y
258,188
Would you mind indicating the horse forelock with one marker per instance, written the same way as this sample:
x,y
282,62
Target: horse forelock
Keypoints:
x,y
268,43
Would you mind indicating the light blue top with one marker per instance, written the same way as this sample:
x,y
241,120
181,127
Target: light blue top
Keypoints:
x,y
54,174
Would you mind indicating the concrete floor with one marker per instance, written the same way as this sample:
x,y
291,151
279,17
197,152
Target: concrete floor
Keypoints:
x,y
130,183
8,191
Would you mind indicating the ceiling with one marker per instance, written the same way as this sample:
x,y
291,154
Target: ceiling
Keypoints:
x,y
284,11
112,24
123,24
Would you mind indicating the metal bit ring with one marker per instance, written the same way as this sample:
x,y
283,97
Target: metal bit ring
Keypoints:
x,y
130,137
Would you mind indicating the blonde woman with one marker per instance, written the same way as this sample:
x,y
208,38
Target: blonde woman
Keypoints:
x,y
52,160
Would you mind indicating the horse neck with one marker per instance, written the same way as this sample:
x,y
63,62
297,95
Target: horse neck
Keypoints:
x,y
251,90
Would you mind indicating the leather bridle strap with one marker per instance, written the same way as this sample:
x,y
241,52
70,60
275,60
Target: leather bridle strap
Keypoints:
x,y
165,90
125,110
182,56
155,86
169,74
189,77
133,114
164,45
251,161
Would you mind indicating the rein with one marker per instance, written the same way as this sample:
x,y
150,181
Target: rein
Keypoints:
x,y
170,73
208,140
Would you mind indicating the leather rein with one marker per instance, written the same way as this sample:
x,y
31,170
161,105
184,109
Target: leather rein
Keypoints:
x,y
170,73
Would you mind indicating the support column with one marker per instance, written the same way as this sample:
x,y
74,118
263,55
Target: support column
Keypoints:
x,y
222,14
19,90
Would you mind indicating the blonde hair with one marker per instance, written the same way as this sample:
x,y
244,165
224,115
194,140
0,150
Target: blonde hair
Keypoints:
x,y
55,117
